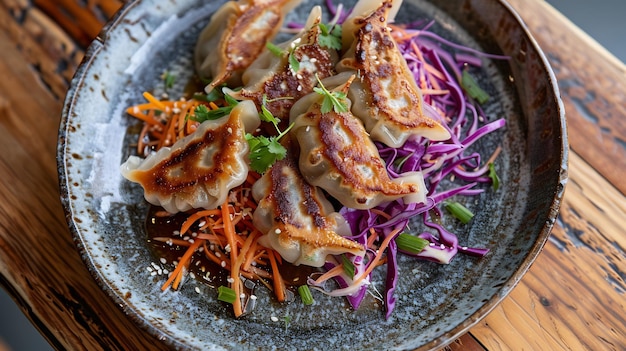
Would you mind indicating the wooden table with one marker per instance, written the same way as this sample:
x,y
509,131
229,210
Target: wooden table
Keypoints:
x,y
573,297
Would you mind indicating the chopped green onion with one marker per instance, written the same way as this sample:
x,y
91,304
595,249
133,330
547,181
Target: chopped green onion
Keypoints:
x,y
470,85
459,211
348,266
168,79
274,49
411,243
226,294
305,294
495,180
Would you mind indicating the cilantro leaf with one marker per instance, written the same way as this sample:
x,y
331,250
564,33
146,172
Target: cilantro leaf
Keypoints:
x,y
266,115
332,100
264,152
330,37
293,62
495,180
202,113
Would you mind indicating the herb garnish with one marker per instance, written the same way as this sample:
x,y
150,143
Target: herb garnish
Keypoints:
x,y
264,151
330,37
334,100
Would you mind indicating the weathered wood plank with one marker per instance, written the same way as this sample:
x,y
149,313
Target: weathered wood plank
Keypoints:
x,y
593,86
573,297
38,260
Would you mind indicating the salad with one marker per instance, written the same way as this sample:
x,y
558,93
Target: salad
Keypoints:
x,y
229,219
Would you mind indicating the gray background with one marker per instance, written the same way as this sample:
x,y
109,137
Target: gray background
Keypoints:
x,y
601,19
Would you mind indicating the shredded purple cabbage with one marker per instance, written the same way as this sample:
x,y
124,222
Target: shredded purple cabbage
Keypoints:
x,y
465,120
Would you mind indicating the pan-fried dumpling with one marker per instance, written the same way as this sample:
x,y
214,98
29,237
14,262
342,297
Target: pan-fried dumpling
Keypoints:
x,y
296,219
235,36
274,76
384,95
337,155
199,170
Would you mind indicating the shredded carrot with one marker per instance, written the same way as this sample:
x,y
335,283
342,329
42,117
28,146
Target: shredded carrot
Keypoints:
x,y
331,273
279,284
379,254
177,275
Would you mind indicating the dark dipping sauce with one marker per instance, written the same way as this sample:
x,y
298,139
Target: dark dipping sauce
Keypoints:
x,y
160,224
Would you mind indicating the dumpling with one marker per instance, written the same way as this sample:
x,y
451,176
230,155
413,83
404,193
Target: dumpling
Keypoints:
x,y
235,36
296,219
200,169
384,95
275,77
337,155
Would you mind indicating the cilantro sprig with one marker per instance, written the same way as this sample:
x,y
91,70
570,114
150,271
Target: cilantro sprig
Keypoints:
x,y
330,37
333,100
202,113
264,151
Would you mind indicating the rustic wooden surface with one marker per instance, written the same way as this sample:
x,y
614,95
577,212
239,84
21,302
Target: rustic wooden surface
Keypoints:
x,y
572,298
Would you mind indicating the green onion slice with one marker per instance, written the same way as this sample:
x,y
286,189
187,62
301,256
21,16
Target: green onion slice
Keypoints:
x,y
459,211
226,294
305,294
410,243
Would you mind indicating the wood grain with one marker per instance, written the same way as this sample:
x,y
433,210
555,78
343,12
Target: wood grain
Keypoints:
x,y
593,87
572,298
39,263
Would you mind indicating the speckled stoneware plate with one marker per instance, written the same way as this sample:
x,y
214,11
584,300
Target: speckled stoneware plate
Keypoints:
x,y
436,303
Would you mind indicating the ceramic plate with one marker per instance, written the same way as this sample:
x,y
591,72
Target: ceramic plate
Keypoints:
x,y
435,303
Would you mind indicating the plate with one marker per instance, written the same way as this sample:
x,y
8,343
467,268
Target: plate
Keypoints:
x,y
435,303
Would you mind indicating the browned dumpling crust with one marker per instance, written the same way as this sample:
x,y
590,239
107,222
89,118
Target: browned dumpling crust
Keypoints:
x,y
275,78
387,99
236,35
199,170
297,220
337,155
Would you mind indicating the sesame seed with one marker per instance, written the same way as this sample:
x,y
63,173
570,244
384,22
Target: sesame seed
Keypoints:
x,y
277,231
274,318
313,60
229,130
442,246
299,88
252,297
230,280
163,260
223,264
431,244
197,289
464,248
299,76
242,296
227,248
